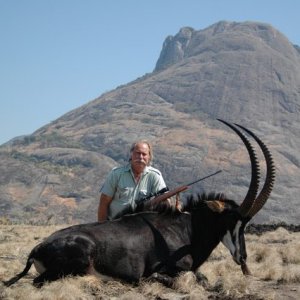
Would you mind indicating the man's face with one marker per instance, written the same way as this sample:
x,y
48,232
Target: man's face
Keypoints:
x,y
140,155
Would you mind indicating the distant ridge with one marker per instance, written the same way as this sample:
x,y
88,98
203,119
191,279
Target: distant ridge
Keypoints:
x,y
14,140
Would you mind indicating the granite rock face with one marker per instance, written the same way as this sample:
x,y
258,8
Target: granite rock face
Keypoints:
x,y
174,49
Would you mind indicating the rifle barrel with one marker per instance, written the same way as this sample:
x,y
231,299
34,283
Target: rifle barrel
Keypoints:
x,y
191,183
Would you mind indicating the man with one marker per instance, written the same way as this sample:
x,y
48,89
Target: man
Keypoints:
x,y
127,184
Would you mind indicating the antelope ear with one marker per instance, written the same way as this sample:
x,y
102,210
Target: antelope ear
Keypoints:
x,y
216,205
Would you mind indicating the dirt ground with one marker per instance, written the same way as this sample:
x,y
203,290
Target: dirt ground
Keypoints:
x,y
273,258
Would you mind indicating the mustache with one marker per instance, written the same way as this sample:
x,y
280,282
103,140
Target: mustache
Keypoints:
x,y
140,161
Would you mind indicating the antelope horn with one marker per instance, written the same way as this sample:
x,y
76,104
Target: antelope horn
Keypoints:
x,y
270,176
254,183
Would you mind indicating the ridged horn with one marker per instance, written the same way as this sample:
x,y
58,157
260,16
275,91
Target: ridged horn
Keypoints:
x,y
250,197
270,176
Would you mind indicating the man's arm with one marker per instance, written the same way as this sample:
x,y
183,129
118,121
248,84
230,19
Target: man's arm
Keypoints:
x,y
103,207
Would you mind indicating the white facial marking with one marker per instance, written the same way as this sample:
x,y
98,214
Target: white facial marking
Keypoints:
x,y
227,241
232,243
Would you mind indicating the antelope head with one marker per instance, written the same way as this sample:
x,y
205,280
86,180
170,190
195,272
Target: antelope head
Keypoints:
x,y
253,201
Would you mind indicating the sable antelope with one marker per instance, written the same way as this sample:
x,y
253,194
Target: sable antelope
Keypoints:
x,y
152,244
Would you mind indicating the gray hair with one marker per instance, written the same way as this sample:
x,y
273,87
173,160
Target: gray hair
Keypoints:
x,y
142,142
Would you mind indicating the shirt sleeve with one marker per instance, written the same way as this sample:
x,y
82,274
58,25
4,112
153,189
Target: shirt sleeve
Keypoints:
x,y
158,182
109,186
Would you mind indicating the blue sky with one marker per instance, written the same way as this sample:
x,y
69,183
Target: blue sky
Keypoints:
x,y
57,55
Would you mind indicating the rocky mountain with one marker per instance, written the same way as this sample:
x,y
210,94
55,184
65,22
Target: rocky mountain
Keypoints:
x,y
247,73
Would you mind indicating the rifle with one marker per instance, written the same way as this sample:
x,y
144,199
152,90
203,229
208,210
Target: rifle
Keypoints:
x,y
155,198
165,193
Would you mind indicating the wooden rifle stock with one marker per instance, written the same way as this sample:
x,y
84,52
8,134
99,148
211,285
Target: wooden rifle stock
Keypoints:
x,y
167,195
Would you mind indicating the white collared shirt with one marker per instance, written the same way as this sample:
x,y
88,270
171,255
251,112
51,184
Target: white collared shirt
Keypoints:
x,y
121,186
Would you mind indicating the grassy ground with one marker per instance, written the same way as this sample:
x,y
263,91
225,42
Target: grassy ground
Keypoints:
x,y
273,258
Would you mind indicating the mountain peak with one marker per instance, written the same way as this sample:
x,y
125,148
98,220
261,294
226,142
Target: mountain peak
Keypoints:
x,y
174,48
222,36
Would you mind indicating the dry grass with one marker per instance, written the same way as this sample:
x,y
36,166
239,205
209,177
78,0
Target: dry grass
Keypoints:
x,y
273,258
